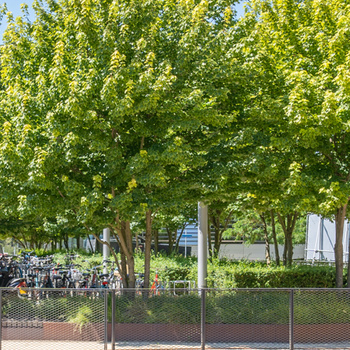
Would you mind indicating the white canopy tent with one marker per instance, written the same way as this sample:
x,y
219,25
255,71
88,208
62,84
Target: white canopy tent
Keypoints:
x,y
320,239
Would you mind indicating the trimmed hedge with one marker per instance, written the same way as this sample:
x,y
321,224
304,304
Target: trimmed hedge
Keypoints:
x,y
281,277
228,274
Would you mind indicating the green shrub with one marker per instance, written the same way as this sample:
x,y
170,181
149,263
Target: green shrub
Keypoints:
x,y
282,277
228,274
82,317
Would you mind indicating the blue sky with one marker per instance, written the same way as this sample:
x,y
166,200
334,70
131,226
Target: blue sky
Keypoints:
x,y
15,7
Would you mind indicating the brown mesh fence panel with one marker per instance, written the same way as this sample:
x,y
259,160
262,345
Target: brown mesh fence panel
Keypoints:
x,y
241,318
148,318
50,319
322,318
91,319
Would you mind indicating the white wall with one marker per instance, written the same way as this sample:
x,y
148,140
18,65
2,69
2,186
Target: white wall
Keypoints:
x,y
252,252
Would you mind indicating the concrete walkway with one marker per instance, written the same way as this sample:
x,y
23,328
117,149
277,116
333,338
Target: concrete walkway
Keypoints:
x,y
70,345
51,345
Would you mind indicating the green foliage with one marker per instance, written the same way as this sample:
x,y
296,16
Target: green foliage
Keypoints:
x,y
14,307
112,101
249,228
223,273
40,252
312,307
298,54
111,108
171,268
82,317
245,274
298,95
248,307
82,258
158,309
281,277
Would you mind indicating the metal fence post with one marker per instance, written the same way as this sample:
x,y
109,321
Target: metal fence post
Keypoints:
x,y
113,320
203,294
0,319
105,319
291,319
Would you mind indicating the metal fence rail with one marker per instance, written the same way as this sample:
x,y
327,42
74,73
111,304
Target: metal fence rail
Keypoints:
x,y
93,319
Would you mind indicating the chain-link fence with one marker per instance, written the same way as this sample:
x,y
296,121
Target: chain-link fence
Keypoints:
x,y
93,319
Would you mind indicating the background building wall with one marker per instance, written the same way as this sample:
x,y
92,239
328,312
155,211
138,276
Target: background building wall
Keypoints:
x,y
239,251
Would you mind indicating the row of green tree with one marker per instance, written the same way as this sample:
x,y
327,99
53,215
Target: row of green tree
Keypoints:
x,y
121,113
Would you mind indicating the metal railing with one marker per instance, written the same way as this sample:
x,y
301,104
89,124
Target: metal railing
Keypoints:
x,y
93,319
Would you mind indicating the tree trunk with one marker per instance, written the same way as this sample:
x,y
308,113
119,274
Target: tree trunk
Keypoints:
x,y
217,241
285,249
90,244
214,217
210,246
65,239
288,242
219,228
156,240
20,243
170,240
274,237
290,248
137,241
348,272
211,218
127,258
217,237
338,247
288,224
177,237
130,256
148,242
123,235
123,270
266,238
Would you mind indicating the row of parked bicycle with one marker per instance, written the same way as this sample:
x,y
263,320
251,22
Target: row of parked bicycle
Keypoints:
x,y
32,272
27,271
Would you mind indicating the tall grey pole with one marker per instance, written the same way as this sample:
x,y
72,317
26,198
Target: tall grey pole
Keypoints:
x,y
202,244
113,320
106,252
0,319
291,319
105,296
203,317
202,262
